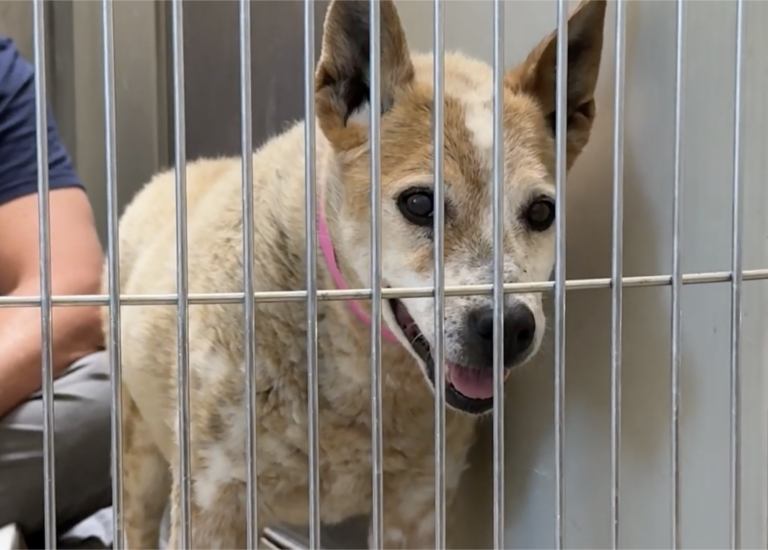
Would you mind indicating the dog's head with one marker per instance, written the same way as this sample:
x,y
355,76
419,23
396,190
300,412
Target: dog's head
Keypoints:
x,y
342,108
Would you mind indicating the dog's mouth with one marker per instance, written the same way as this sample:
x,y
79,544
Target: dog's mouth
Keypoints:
x,y
467,389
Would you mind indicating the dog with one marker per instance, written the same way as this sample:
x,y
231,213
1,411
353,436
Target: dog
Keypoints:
x,y
215,256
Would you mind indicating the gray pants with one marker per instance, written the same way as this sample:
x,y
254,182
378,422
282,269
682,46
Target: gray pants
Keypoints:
x,y
82,398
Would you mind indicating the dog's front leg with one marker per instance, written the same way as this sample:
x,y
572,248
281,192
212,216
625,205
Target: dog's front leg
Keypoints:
x,y
409,515
218,515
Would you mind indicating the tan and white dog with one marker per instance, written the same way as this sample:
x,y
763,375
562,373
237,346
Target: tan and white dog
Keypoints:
x,y
217,369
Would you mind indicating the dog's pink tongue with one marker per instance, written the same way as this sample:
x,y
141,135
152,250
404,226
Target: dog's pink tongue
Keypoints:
x,y
472,383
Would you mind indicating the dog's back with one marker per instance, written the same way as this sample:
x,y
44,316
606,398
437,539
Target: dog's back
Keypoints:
x,y
214,242
151,214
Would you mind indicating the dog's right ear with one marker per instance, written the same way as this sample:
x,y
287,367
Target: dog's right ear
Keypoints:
x,y
342,80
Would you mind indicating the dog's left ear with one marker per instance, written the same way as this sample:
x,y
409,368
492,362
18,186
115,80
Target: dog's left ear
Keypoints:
x,y
537,75
342,79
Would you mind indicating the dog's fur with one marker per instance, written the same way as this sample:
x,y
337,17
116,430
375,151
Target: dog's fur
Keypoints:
x,y
216,332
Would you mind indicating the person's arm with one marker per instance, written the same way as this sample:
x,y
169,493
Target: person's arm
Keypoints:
x,y
76,254
75,268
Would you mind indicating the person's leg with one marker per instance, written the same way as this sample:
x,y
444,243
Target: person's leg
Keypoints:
x,y
82,405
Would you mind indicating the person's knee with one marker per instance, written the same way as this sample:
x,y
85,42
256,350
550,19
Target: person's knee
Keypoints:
x,y
85,451
82,424
83,405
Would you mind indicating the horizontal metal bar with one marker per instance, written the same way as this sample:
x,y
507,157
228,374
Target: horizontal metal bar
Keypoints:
x,y
387,293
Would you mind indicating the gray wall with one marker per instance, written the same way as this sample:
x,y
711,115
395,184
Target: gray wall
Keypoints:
x,y
16,22
211,28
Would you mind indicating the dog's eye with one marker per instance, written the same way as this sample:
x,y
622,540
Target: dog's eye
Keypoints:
x,y
540,214
417,206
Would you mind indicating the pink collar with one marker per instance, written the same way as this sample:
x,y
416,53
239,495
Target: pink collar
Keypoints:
x,y
324,238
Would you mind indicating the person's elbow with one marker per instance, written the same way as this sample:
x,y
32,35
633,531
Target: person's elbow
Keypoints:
x,y
83,331
76,329
83,279
83,282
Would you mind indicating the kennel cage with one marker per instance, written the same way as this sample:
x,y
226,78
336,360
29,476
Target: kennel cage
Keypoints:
x,y
642,423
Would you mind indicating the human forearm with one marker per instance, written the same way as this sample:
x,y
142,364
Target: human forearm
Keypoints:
x,y
75,332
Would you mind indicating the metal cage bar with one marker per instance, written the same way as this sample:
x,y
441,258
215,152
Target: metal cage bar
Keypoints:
x,y
617,260
736,276
310,195
560,278
46,304
645,281
377,508
439,267
677,276
249,315
182,268
498,274
736,296
113,260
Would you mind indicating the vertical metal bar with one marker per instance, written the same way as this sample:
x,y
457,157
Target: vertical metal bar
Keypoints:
x,y
498,274
736,279
677,277
617,260
439,267
561,107
113,258
44,229
377,510
246,151
182,317
310,197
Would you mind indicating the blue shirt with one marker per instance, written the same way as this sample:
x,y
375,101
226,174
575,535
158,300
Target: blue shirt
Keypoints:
x,y
18,145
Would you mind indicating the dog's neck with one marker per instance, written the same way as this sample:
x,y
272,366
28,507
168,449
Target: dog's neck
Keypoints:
x,y
402,391
326,245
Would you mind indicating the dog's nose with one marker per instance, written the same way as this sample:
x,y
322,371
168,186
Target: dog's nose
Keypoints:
x,y
519,332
